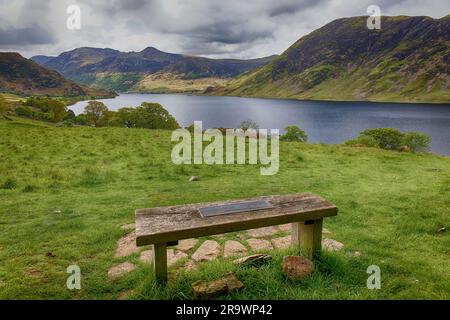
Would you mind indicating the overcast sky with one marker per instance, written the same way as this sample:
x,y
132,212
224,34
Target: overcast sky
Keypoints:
x,y
227,28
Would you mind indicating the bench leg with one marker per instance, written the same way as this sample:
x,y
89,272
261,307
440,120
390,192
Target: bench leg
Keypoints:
x,y
307,235
159,252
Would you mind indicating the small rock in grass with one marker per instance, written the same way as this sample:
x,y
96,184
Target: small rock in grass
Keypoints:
x,y
126,245
207,290
326,231
259,244
194,178
128,226
442,229
234,248
296,267
125,294
253,260
282,243
120,269
186,245
355,254
332,245
208,251
190,266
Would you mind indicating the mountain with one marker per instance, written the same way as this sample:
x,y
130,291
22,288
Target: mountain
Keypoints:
x,y
407,60
148,70
23,76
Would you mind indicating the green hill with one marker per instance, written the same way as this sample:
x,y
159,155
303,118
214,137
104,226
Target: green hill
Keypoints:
x,y
406,61
22,76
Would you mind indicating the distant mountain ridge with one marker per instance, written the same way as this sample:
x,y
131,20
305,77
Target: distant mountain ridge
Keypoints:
x,y
408,60
24,76
112,69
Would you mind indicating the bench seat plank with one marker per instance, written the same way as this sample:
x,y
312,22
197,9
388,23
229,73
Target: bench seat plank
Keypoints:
x,y
167,224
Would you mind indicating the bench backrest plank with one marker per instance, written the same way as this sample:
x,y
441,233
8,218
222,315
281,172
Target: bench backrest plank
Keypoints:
x,y
167,224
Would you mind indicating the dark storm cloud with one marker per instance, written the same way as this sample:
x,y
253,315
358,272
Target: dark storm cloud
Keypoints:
x,y
25,36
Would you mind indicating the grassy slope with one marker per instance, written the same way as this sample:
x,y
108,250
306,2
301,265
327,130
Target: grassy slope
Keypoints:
x,y
324,66
159,82
85,183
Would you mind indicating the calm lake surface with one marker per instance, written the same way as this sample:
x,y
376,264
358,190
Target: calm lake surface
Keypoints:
x,y
328,122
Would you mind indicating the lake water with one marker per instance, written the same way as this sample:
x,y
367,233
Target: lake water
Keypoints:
x,y
328,122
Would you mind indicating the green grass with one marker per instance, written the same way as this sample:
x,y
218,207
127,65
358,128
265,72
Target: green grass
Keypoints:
x,y
68,191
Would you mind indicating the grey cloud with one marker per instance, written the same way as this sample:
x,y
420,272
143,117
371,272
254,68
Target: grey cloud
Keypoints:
x,y
25,36
292,7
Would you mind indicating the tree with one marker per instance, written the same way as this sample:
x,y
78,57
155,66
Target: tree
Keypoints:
x,y
417,141
147,115
57,110
95,111
294,133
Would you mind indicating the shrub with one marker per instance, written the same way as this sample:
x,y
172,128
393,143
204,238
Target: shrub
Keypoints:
x,y
385,138
417,141
294,133
28,188
248,124
9,184
24,111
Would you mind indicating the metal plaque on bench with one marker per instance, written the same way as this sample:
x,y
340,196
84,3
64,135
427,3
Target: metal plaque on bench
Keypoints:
x,y
234,207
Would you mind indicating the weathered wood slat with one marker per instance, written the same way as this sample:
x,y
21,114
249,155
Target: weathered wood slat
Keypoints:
x,y
167,224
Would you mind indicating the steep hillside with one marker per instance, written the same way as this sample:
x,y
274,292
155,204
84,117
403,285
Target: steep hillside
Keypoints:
x,y
407,60
23,76
123,71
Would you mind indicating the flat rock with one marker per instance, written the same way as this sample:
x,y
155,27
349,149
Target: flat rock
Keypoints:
x,y
120,269
194,178
282,243
187,245
262,232
253,260
146,256
126,245
208,251
207,290
332,245
234,248
259,244
173,256
296,267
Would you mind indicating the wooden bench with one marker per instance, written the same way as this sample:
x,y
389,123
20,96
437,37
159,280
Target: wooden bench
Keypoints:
x,y
164,226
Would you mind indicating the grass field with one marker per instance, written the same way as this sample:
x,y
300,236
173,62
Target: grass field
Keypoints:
x,y
68,190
